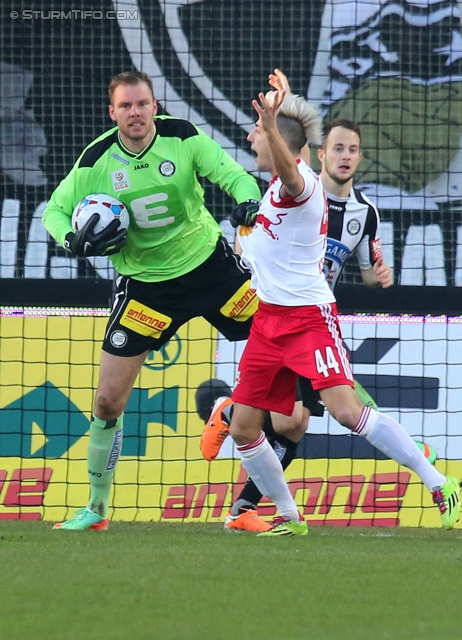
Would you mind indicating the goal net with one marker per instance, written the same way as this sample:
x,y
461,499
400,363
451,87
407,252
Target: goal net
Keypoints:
x,y
395,68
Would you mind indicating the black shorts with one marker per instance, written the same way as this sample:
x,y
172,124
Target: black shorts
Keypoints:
x,y
146,315
310,398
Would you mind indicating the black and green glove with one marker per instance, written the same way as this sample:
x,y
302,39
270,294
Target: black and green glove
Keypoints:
x,y
244,214
86,242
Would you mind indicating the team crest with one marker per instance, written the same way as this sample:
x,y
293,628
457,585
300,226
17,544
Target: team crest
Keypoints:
x,y
353,227
118,339
167,168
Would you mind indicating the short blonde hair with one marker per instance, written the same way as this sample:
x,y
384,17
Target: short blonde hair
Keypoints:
x,y
306,114
132,78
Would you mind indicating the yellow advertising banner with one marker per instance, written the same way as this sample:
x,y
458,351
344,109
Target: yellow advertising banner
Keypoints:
x,y
48,374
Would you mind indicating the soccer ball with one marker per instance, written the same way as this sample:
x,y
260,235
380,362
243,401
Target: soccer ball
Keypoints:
x,y
108,208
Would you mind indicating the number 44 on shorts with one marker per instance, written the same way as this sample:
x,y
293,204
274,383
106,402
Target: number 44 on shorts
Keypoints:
x,y
330,362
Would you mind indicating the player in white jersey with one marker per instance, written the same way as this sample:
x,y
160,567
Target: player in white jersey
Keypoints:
x,y
296,331
353,229
289,237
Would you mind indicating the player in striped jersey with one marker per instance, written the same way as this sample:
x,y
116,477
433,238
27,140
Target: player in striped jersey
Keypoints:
x,y
353,219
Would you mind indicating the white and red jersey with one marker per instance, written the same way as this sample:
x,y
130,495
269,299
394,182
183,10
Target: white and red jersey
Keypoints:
x,y
287,245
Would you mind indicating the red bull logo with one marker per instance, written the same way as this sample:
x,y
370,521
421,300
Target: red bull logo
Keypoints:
x,y
376,247
266,224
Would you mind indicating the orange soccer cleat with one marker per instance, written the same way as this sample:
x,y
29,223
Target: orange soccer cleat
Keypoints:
x,y
246,520
216,430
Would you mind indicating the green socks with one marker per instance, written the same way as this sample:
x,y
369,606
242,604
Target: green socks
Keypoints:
x,y
103,453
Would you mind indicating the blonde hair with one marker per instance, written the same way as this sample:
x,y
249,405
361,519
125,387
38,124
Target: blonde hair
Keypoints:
x,y
306,114
129,78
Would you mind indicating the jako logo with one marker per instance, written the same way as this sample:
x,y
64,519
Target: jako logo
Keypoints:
x,y
141,166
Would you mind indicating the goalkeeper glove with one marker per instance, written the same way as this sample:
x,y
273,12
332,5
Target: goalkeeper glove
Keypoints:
x,y
86,242
244,214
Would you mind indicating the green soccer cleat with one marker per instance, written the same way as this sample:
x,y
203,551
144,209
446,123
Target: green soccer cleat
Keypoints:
x,y
284,527
447,498
84,519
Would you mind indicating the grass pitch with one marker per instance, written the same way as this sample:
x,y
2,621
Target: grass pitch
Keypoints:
x,y
197,582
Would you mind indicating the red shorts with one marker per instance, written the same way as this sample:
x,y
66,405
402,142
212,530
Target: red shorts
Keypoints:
x,y
285,342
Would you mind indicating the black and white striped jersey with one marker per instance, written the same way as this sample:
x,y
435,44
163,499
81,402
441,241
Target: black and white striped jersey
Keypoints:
x,y
353,228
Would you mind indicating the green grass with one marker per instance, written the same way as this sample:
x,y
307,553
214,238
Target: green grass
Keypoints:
x,y
198,582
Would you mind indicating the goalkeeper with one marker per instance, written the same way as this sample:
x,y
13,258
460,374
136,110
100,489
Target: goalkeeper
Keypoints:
x,y
353,228
173,263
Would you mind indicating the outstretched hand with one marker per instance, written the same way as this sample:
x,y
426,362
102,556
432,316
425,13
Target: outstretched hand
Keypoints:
x,y
268,112
279,81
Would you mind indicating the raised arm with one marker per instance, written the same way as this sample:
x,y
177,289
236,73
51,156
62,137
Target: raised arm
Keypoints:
x,y
283,160
278,80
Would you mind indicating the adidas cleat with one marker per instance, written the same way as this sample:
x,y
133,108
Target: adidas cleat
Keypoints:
x,y
284,527
447,498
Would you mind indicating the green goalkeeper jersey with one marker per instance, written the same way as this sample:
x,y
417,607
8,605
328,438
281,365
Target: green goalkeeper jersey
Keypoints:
x,y
171,232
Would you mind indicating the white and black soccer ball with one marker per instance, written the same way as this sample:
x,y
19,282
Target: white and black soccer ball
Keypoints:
x,y
108,208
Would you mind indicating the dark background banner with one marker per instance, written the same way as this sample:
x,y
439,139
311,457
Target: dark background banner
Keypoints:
x,y
56,62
